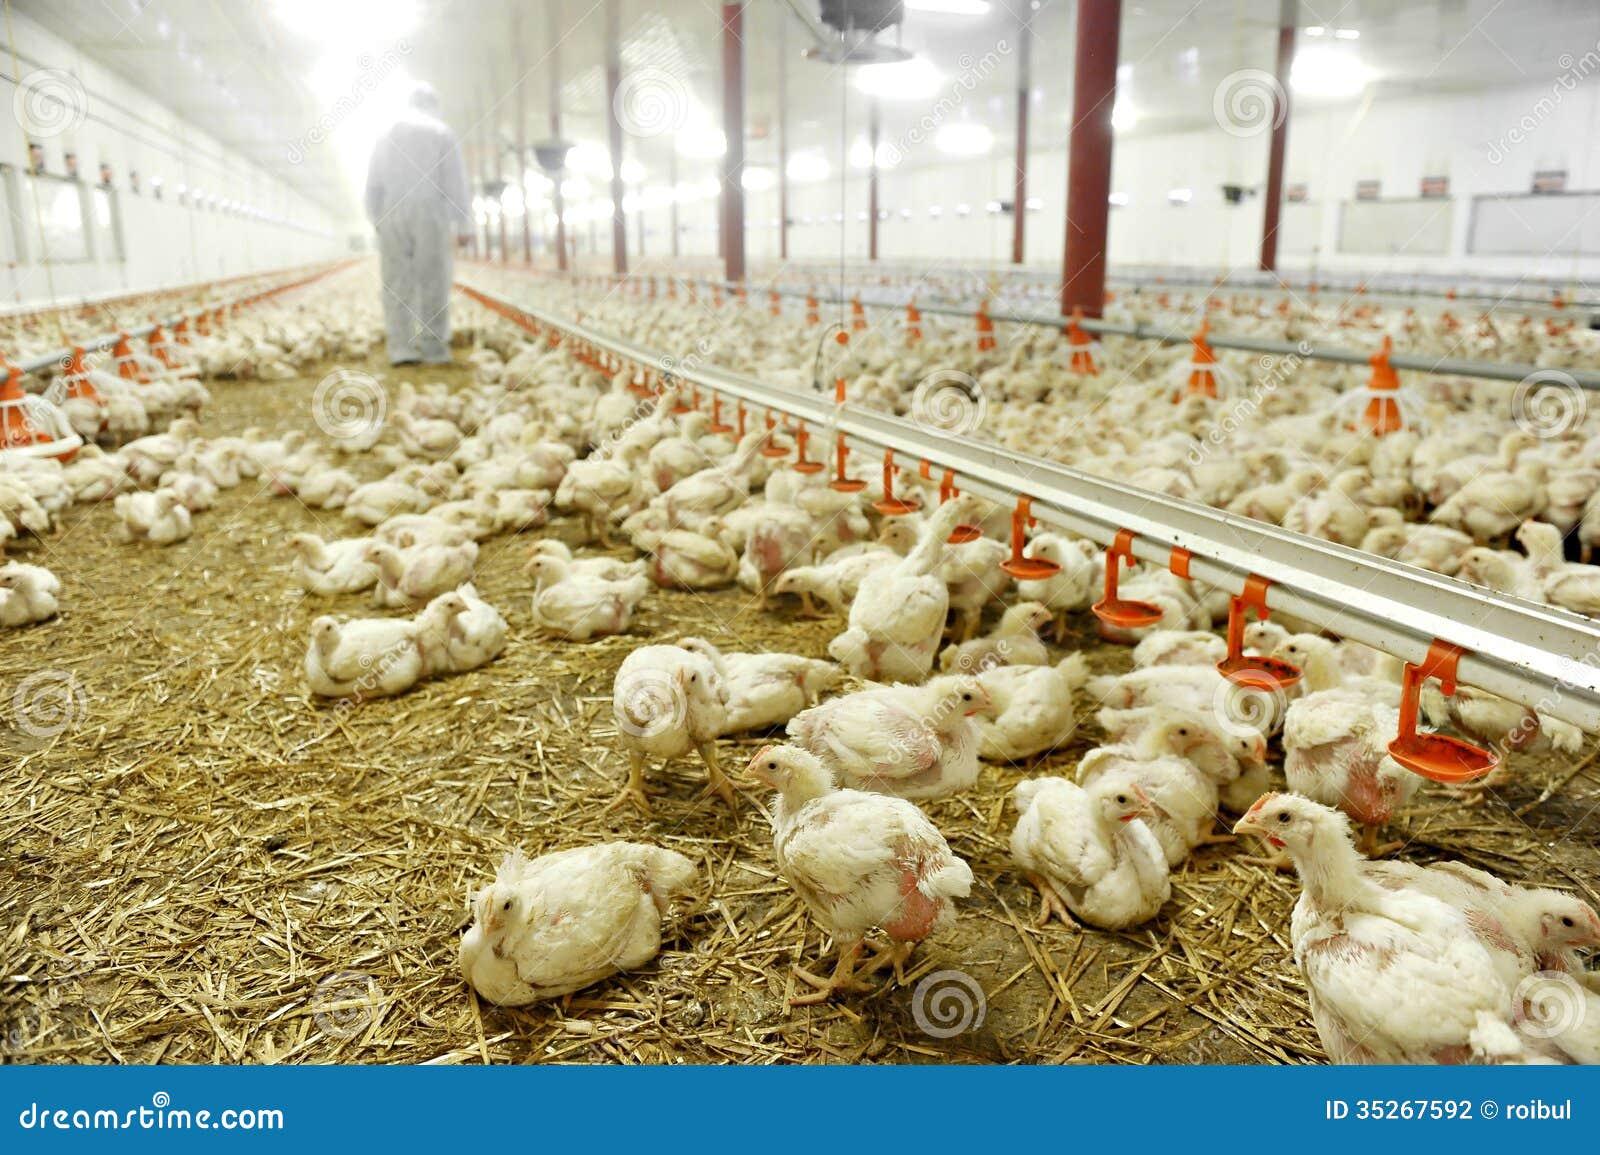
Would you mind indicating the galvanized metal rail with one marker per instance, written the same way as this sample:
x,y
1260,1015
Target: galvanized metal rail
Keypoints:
x,y
1539,656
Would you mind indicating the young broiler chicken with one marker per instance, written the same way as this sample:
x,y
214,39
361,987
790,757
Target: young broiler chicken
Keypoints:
x,y
1073,587
1562,583
899,611
666,701
605,568
1183,801
766,690
836,580
690,559
551,925
376,657
158,518
412,577
1014,642
604,490
779,537
473,637
1030,709
910,741
859,861
28,594
1336,752
332,567
1088,853
1394,976
578,606
1232,755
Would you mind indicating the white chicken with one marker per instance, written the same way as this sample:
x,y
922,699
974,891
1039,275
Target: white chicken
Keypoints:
x,y
666,701
332,567
1013,642
158,518
551,925
412,577
579,606
1182,800
1088,853
1030,709
1394,976
766,690
28,594
910,741
473,636
859,861
1072,588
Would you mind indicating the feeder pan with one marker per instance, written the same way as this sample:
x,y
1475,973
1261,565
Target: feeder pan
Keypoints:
x,y
1027,569
1384,411
1248,670
1436,756
1081,357
986,340
892,506
1118,611
858,315
812,316
682,406
913,323
774,303
801,463
32,427
718,425
741,415
961,534
841,483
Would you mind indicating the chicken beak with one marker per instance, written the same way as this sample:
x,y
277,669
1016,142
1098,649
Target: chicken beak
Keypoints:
x,y
755,771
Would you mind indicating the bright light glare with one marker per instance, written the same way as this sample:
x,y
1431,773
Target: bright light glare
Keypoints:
x,y
1120,200
1347,33
1123,115
1326,71
913,79
1180,196
757,178
861,154
590,158
370,101
349,25
808,166
701,142
963,139
950,7
632,171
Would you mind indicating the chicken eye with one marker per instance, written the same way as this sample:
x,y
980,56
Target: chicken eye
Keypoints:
x,y
1283,816
1183,731
1566,922
772,765
1122,799
507,905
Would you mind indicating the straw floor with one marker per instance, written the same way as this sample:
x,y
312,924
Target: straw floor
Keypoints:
x,y
205,865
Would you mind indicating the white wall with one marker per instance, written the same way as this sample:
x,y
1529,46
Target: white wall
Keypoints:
x,y
1396,139
164,243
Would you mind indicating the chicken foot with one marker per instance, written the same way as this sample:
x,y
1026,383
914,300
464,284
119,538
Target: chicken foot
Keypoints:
x,y
1051,904
845,977
634,792
719,782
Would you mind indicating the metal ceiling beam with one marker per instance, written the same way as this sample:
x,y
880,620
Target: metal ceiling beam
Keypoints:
x,y
1539,656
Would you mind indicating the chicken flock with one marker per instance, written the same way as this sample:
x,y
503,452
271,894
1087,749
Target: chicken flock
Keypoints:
x,y
915,695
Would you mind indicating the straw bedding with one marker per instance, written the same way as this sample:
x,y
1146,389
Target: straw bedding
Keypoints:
x,y
204,865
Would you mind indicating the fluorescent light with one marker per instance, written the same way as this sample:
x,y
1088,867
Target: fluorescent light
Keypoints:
x,y
701,142
950,7
808,166
590,158
1328,72
861,154
1347,34
1124,73
1316,30
963,210
632,171
1123,115
350,25
913,79
935,211
757,178
963,138
1033,204
1180,196
1120,200
992,207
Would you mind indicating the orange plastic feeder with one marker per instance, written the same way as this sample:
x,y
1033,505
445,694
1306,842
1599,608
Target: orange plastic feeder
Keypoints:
x,y
1081,359
1436,756
812,316
718,425
1382,414
1027,569
961,534
741,419
892,506
803,464
913,323
1249,670
774,303
77,377
1202,380
1119,611
840,482
858,315
986,340
772,448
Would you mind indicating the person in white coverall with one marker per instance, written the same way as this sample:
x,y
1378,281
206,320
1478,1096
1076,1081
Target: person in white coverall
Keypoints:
x,y
417,199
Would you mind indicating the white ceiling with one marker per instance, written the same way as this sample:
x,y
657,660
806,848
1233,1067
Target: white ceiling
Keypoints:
x,y
488,57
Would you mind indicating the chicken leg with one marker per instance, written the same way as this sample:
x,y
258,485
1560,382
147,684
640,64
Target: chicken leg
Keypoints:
x,y
720,784
843,978
1370,846
1051,904
634,792
808,608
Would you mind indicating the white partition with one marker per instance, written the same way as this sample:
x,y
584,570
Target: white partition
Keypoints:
x,y
1529,224
1300,227
1396,227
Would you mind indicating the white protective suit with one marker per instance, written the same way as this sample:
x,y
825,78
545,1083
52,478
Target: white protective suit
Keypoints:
x,y
418,200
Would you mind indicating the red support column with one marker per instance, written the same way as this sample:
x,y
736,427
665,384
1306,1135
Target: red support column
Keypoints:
x,y
553,30
1019,191
1094,91
733,129
872,180
1280,139
619,220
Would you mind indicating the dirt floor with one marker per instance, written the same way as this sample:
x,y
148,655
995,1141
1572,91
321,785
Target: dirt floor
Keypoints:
x,y
202,864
